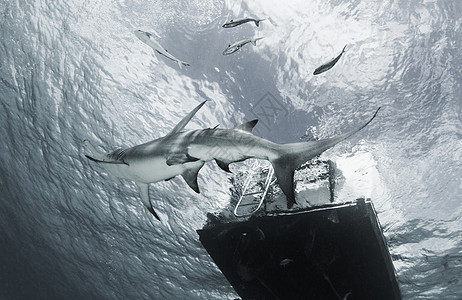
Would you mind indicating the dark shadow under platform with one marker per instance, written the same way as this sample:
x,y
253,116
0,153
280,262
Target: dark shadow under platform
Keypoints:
x,y
329,252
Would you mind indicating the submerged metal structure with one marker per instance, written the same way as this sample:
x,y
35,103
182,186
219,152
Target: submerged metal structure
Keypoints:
x,y
330,251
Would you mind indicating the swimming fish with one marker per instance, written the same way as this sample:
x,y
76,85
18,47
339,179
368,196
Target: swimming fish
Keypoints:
x,y
238,45
328,65
237,22
285,262
147,38
185,152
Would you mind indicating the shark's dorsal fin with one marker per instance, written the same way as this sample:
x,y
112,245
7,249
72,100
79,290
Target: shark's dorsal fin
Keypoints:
x,y
186,119
143,188
247,126
190,176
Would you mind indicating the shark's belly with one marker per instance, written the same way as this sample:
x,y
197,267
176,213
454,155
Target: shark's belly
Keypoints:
x,y
150,171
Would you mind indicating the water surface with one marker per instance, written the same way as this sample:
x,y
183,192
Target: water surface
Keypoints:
x,y
72,70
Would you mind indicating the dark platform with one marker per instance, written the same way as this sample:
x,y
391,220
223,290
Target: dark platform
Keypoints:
x,y
332,252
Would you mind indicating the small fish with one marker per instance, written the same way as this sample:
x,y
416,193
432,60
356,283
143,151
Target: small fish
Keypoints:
x,y
285,262
147,38
238,45
237,22
328,65
347,295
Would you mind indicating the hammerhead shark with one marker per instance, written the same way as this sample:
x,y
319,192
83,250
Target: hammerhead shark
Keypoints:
x,y
238,45
185,152
328,65
147,38
237,22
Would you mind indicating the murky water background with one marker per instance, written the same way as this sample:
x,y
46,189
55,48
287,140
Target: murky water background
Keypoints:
x,y
71,70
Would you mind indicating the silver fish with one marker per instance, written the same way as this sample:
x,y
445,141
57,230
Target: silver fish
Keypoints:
x,y
328,65
238,45
147,38
237,22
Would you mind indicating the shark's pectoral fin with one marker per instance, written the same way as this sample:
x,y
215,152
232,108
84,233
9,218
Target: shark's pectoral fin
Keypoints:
x,y
190,176
143,188
285,177
223,165
180,158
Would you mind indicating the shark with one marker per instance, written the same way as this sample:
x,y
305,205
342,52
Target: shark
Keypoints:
x,y
237,22
184,152
238,45
328,65
147,38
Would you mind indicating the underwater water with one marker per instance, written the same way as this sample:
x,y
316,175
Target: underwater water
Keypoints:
x,y
74,70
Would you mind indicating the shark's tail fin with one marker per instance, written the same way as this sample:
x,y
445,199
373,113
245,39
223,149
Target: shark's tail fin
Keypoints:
x,y
254,41
291,156
257,22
